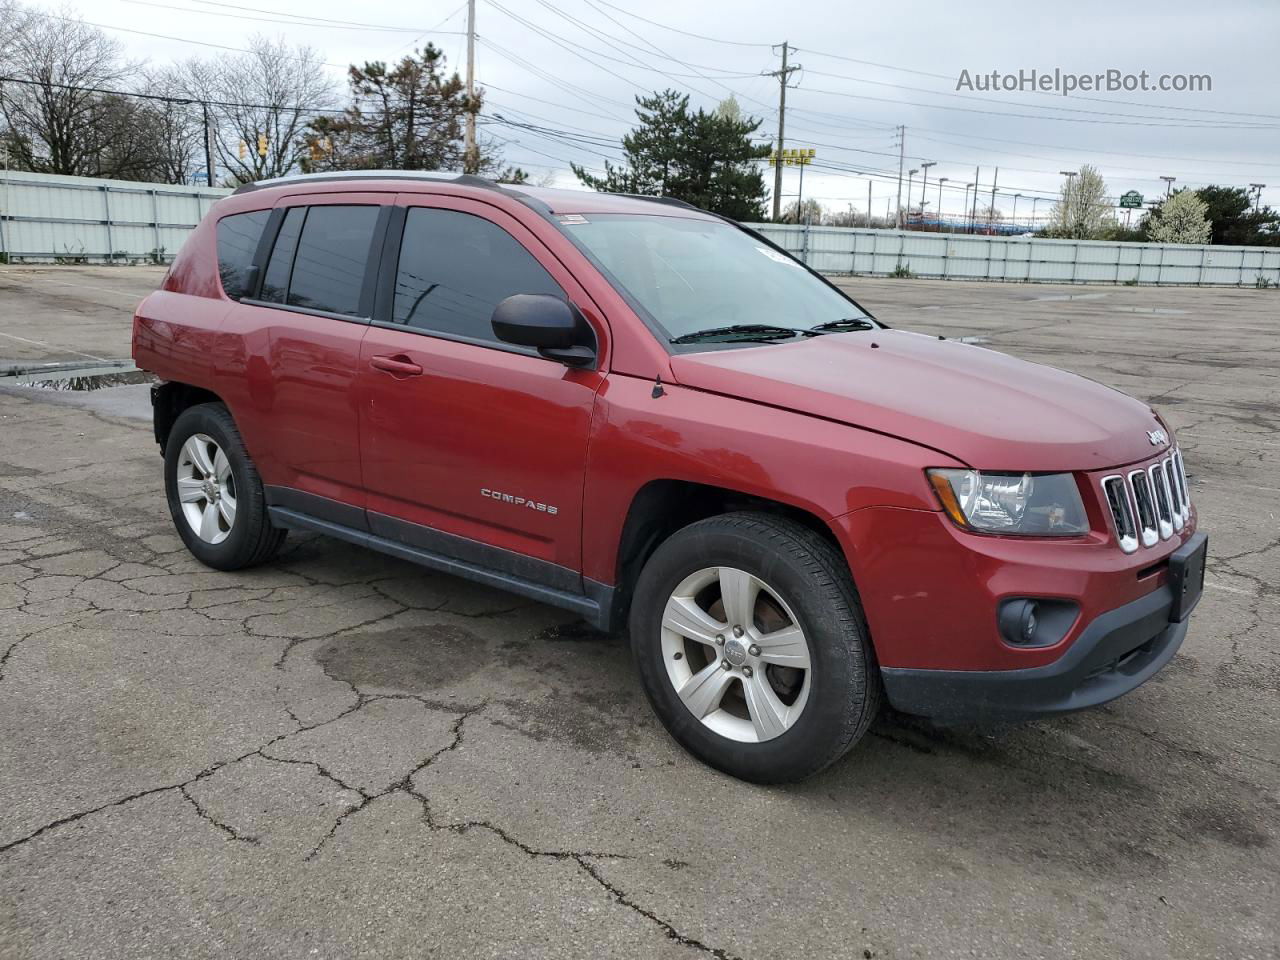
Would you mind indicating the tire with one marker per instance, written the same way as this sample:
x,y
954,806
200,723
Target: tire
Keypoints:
x,y
248,538
691,581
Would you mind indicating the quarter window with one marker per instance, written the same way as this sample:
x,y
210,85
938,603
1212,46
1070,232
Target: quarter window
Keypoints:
x,y
238,237
455,268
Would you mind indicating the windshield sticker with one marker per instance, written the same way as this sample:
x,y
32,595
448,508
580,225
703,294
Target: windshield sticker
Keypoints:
x,y
572,219
776,256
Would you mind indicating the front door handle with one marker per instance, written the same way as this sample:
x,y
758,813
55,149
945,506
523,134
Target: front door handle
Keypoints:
x,y
398,366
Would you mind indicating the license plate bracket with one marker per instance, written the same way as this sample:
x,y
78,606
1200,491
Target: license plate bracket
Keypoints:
x,y
1186,576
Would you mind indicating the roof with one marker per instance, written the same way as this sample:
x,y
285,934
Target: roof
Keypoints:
x,y
549,200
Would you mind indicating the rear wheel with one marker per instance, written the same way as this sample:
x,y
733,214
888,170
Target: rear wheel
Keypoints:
x,y
751,646
214,492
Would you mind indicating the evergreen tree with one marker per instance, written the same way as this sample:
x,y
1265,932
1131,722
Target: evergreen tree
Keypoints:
x,y
409,116
706,159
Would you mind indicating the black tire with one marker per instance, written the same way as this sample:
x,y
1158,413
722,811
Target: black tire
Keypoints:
x,y
252,539
810,576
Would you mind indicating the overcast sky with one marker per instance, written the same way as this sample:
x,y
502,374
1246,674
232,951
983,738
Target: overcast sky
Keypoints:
x,y
904,59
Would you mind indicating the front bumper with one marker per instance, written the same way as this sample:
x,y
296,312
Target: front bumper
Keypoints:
x,y
1115,653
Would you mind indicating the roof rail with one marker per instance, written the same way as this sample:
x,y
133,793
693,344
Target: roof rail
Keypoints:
x,y
669,201
439,176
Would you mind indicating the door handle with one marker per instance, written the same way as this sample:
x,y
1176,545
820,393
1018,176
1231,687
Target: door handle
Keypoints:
x,y
398,366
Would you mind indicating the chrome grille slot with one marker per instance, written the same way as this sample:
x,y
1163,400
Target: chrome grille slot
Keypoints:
x,y
1164,513
1117,493
1181,474
1147,525
1175,498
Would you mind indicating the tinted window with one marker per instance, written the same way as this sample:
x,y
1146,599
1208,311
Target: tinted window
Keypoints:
x,y
455,268
238,237
328,270
275,283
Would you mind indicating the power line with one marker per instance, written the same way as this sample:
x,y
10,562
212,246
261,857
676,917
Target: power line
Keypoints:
x,y
329,25
687,33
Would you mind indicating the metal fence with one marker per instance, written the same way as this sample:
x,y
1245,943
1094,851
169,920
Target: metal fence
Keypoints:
x,y
1023,259
44,217
77,219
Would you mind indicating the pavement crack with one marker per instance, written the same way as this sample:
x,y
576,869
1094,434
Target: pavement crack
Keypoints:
x,y
666,926
205,815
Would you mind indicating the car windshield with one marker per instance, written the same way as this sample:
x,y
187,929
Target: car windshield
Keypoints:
x,y
707,277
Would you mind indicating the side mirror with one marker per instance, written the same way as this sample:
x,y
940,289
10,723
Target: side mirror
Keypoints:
x,y
553,327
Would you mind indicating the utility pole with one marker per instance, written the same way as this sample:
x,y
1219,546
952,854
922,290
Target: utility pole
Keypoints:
x,y
964,208
924,182
208,146
1168,185
868,203
469,157
1034,201
782,74
1257,195
941,181
902,149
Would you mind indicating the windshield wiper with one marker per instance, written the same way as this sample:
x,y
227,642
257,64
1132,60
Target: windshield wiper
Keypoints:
x,y
848,323
740,333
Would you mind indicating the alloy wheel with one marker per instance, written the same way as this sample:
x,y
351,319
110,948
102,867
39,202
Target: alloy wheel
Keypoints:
x,y
736,654
206,488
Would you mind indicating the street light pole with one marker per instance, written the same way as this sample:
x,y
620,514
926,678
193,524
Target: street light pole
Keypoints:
x,y
941,181
1013,217
924,181
910,175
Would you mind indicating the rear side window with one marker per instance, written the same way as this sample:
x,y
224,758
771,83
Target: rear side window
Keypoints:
x,y
455,268
328,269
275,282
238,237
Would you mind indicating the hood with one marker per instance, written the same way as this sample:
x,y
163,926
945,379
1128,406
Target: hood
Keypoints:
x,y
984,408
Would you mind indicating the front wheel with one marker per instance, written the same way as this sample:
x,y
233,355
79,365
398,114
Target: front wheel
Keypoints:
x,y
752,648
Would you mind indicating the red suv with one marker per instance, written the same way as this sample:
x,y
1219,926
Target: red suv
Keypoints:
x,y
652,416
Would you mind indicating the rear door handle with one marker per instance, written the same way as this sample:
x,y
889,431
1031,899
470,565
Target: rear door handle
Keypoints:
x,y
398,366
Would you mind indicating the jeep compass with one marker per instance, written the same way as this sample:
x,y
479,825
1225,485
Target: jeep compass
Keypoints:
x,y
657,419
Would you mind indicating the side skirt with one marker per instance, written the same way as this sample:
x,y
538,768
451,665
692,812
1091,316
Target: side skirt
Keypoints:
x,y
595,609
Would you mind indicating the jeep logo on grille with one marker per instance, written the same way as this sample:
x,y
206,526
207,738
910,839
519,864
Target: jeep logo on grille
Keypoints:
x,y
1157,437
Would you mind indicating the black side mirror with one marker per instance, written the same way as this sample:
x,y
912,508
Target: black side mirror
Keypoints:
x,y
555,328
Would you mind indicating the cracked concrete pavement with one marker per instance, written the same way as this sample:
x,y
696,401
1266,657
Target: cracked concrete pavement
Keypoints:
x,y
342,755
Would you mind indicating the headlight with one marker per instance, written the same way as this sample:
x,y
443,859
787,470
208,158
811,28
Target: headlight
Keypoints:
x,y
1025,504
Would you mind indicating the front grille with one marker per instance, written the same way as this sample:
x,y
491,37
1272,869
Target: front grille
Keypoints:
x,y
1148,505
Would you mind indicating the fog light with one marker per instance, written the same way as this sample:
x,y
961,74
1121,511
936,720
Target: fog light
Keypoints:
x,y
1031,622
1018,621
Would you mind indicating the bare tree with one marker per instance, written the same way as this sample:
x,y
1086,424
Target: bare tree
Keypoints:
x,y
176,125
264,100
54,112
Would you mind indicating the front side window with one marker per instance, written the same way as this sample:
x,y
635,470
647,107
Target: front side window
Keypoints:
x,y
333,251
238,237
455,268
696,276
